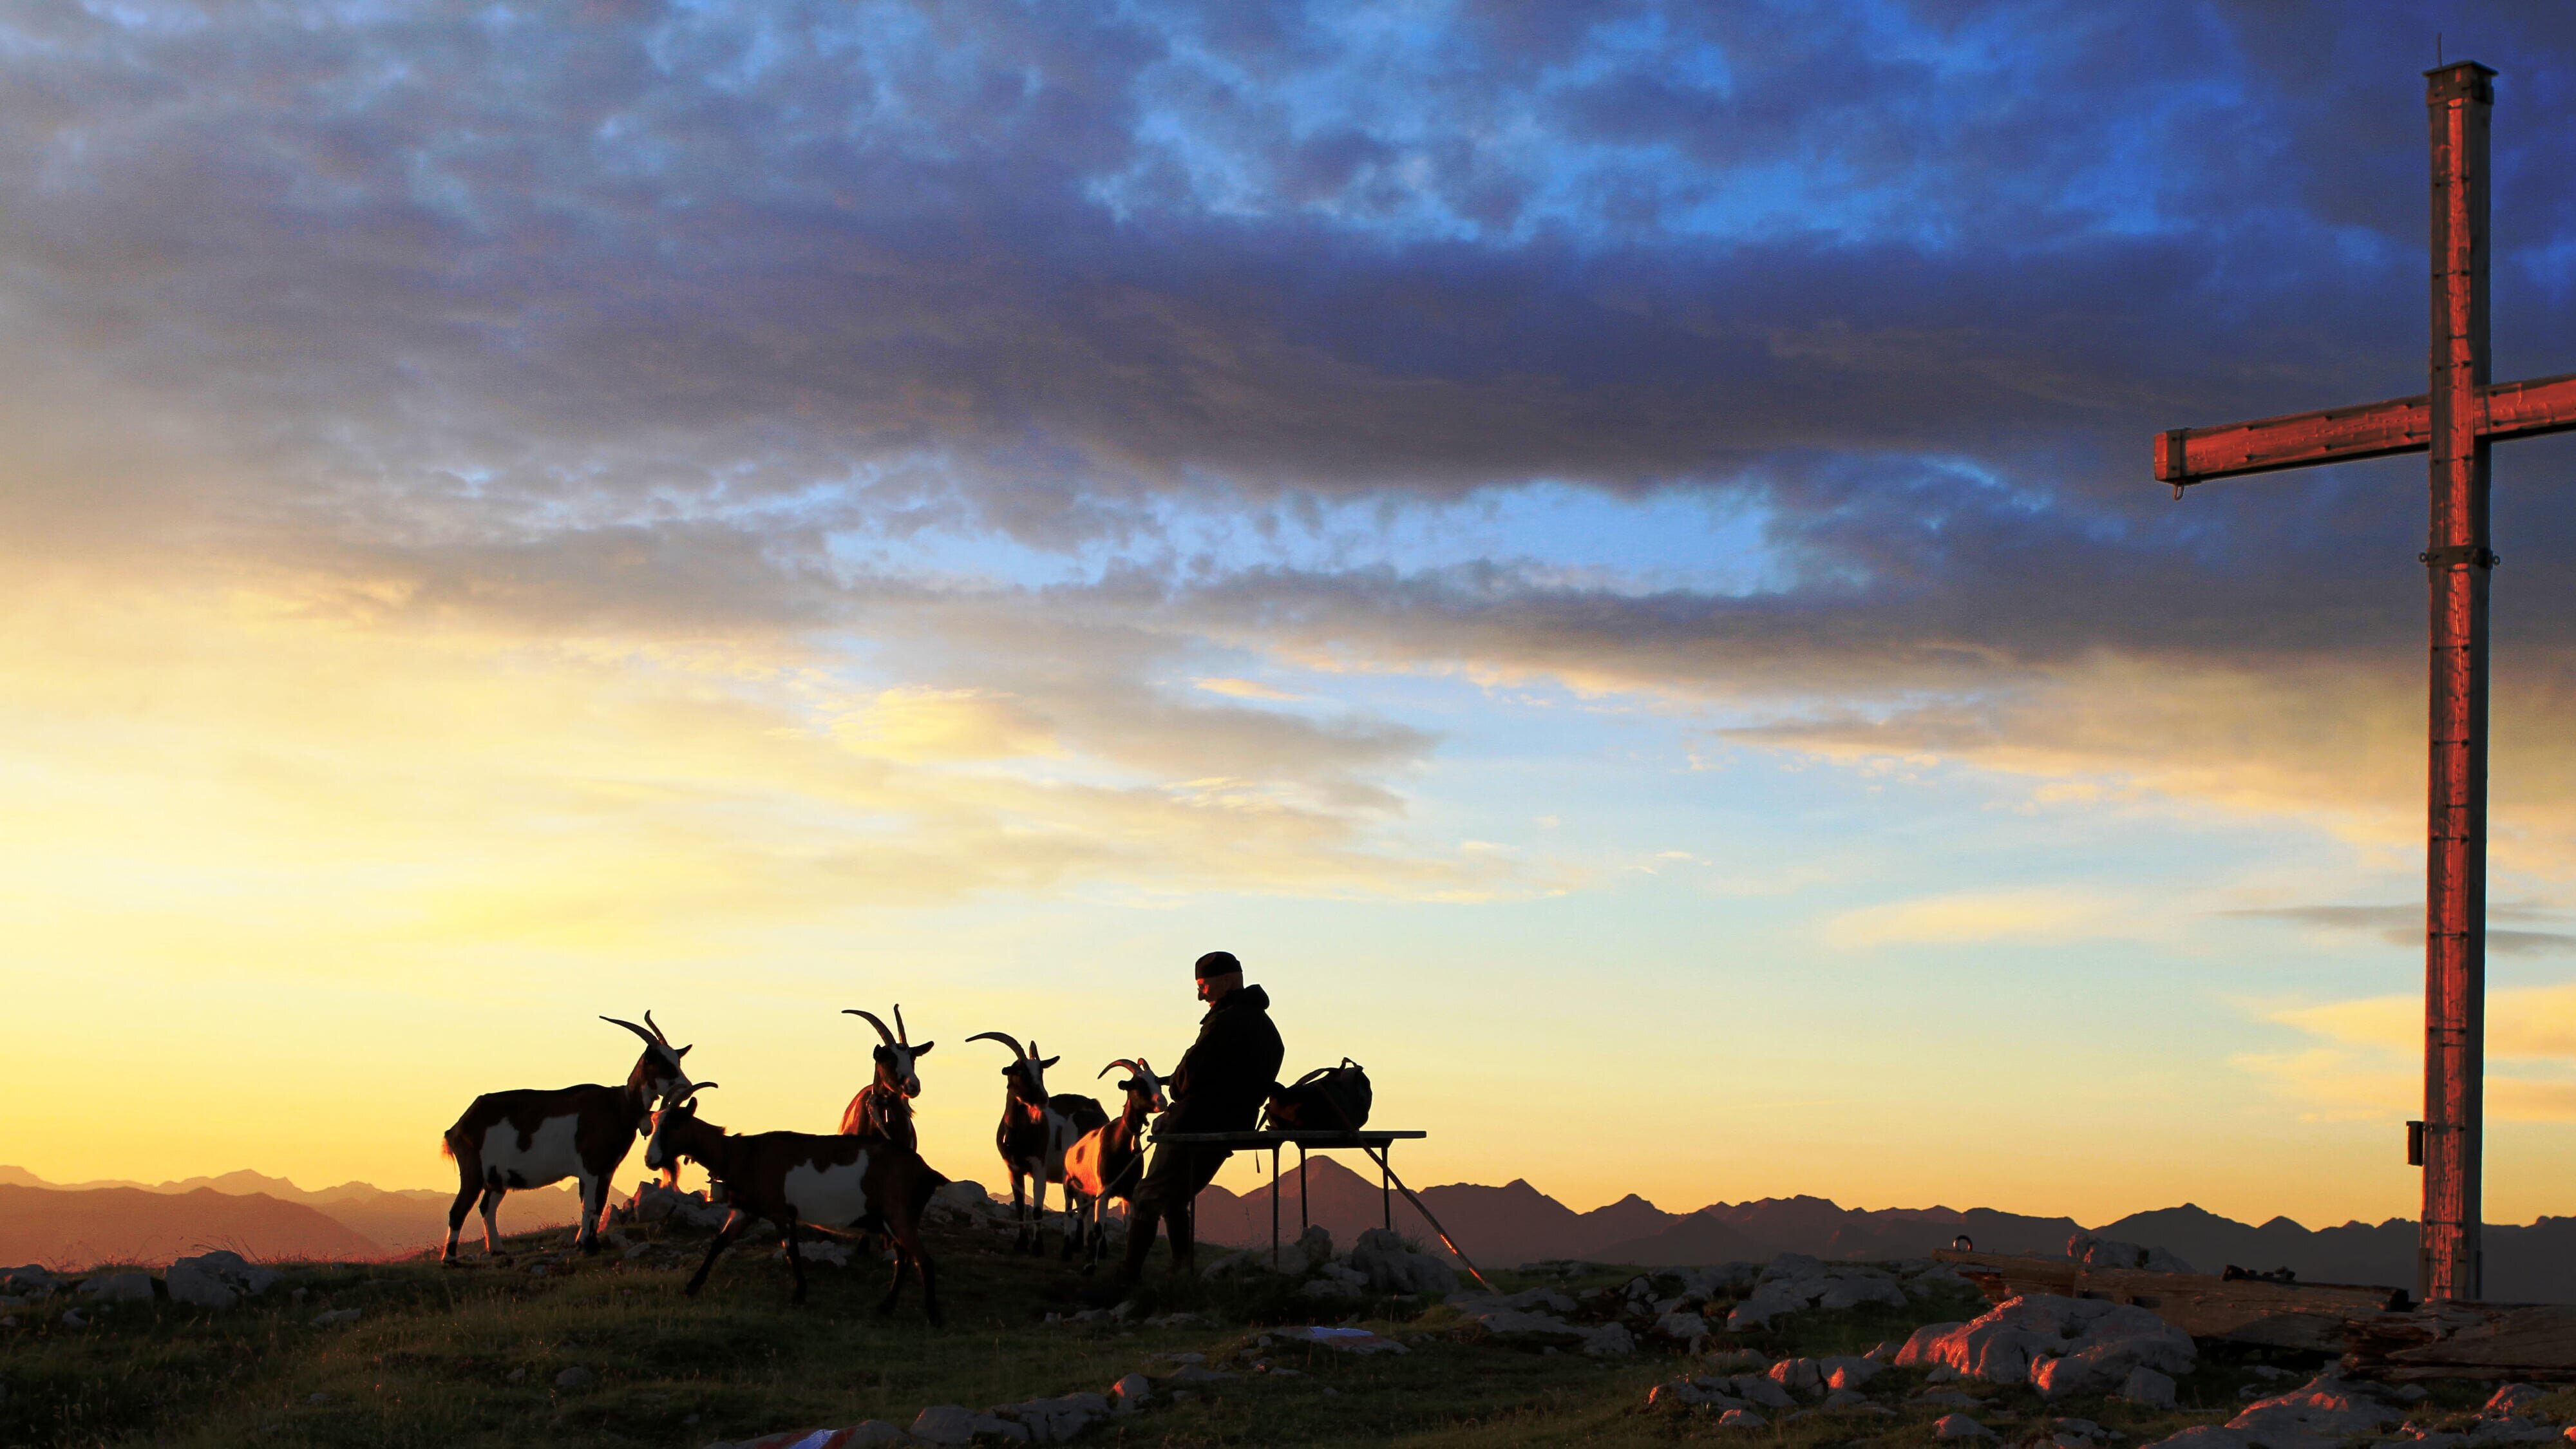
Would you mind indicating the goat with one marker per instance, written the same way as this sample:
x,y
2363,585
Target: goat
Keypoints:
x,y
793,1180
1110,1160
1036,1129
883,1108
531,1138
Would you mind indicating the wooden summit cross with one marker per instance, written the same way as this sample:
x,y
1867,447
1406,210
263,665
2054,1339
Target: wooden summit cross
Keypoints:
x,y
2454,422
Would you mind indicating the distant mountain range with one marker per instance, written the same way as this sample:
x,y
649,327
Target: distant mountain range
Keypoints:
x,y
1516,1223
74,1224
71,1224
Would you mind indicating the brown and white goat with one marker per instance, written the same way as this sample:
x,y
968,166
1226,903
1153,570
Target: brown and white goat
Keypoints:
x,y
533,1137
796,1180
883,1108
1035,1133
1110,1160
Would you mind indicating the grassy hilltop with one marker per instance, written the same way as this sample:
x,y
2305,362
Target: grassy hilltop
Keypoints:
x,y
457,1357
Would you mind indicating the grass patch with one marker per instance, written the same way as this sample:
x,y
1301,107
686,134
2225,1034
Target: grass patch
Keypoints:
x,y
473,1357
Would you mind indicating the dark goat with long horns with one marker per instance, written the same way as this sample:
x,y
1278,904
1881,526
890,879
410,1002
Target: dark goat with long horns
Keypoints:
x,y
797,1180
883,1108
531,1137
1110,1160
1035,1133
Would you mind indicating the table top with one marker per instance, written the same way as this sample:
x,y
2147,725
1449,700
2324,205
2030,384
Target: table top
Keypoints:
x,y
1317,1138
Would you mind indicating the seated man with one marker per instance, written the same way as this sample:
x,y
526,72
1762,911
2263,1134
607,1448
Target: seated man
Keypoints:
x,y
1218,1087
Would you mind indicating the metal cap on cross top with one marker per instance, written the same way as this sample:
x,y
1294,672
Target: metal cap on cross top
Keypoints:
x,y
2455,421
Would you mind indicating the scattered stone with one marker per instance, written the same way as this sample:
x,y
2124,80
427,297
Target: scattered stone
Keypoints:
x,y
118,1287
2319,1413
1847,1371
28,1281
2095,1252
317,1399
218,1279
1190,1373
1798,1376
1737,1360
835,1254
2512,1399
517,1375
945,1424
2059,1345
1741,1419
328,1317
1392,1267
872,1434
1841,1399
72,1319
1960,1426
575,1377
1130,1393
1794,1282
1682,1327
1052,1421
1761,1389
1606,1341
2146,1388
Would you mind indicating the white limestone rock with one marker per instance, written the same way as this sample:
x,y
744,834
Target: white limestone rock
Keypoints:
x,y
2095,1252
2146,1388
2060,1345
217,1280
117,1287
2319,1413
1960,1426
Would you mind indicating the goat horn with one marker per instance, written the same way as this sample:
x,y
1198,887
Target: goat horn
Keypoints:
x,y
1132,1068
872,1021
902,1033
658,1034
639,1031
1009,1041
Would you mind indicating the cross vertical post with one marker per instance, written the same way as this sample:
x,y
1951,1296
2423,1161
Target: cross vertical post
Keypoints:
x,y
2459,99
2455,423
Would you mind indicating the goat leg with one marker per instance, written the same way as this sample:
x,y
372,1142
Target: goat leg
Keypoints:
x,y
467,1190
725,1235
795,1263
492,1219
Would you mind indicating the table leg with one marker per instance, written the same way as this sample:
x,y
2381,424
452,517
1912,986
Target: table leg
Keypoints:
x,y
1274,1205
1303,1221
1385,1196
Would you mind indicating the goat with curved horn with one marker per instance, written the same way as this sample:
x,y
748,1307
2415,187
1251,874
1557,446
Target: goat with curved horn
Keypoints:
x,y
800,1181
1006,1039
507,1141
883,1108
1109,1160
1036,1129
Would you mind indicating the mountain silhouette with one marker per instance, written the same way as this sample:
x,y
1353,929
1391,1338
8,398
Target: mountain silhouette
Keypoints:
x,y
363,1221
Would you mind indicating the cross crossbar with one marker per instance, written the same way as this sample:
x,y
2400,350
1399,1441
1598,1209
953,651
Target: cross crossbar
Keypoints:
x,y
2506,410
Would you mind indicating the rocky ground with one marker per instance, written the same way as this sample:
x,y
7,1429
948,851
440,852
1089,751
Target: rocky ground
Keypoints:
x,y
1370,1342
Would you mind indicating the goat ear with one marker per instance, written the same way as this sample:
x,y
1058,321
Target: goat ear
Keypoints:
x,y
923,1050
684,1051
1050,1061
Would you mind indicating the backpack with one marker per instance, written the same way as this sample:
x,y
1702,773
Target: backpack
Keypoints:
x,y
1327,1099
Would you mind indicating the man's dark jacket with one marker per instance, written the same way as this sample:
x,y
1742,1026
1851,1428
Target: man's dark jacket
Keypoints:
x,y
1229,1071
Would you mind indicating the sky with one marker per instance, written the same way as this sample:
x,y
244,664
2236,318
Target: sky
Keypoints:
x,y
1609,552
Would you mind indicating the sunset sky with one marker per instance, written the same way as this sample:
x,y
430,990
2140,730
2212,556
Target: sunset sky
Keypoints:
x,y
1608,551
